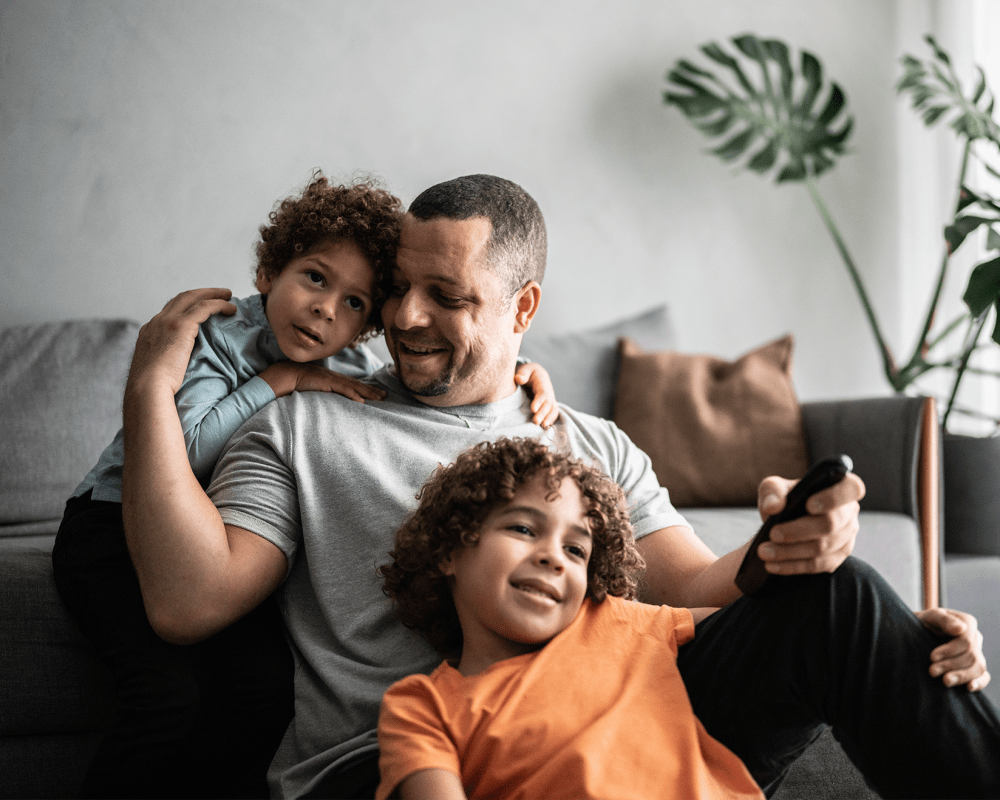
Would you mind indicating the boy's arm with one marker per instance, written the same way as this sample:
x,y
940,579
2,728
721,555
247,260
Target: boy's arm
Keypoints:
x,y
212,404
196,574
544,407
430,784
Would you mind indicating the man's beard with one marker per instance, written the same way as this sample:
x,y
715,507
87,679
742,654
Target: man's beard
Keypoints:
x,y
431,387
435,387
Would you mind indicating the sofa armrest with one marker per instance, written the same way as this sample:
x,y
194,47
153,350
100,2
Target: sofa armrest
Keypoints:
x,y
896,450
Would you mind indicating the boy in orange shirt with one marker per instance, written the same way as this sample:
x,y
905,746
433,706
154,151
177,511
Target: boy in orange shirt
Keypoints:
x,y
519,565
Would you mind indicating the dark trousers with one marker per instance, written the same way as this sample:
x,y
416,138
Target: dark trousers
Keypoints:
x,y
200,720
767,674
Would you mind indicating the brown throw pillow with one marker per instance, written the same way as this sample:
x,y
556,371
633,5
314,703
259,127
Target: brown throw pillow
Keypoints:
x,y
713,428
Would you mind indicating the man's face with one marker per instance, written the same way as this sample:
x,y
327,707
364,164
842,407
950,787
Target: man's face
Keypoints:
x,y
451,334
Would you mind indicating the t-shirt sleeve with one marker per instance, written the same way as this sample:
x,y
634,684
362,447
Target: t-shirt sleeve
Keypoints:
x,y
683,626
412,734
212,403
254,486
650,508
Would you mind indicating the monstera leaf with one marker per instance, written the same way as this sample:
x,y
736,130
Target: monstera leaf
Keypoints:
x,y
779,119
935,91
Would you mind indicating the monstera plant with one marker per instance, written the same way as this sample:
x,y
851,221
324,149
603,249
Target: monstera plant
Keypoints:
x,y
778,116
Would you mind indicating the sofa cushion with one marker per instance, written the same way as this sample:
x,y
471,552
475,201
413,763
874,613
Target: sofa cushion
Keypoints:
x,y
50,679
60,405
888,541
584,365
713,428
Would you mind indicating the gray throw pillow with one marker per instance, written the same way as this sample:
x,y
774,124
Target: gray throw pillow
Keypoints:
x,y
584,365
61,389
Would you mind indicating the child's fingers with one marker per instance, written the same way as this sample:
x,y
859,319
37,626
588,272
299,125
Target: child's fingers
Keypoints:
x,y
370,392
545,415
356,390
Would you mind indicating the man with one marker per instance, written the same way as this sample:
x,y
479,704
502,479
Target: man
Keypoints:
x,y
310,491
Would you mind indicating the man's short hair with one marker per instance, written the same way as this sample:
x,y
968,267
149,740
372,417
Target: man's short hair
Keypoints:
x,y
517,246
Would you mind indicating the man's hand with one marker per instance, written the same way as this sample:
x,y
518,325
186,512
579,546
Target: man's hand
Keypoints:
x,y
959,661
164,346
817,542
285,377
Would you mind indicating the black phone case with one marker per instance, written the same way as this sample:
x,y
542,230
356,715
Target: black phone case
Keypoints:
x,y
751,576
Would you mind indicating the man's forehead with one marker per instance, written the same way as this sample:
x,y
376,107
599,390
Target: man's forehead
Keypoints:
x,y
455,236
444,250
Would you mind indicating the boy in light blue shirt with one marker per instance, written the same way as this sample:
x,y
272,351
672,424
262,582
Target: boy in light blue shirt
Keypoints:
x,y
204,720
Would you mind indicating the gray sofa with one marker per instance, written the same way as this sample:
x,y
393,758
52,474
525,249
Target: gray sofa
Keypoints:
x,y
60,395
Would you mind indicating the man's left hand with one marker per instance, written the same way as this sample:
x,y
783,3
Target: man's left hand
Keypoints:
x,y
817,542
959,661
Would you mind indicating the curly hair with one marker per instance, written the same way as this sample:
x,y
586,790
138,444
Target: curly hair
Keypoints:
x,y
322,213
455,503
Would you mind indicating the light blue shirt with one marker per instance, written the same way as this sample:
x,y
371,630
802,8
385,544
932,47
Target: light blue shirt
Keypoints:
x,y
221,390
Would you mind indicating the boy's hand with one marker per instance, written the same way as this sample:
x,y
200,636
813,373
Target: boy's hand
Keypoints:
x,y
286,377
959,661
544,408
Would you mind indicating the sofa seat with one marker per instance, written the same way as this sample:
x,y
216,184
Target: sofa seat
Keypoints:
x,y
888,540
57,697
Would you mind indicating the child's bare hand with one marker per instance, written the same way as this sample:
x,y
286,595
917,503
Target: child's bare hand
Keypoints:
x,y
544,408
286,377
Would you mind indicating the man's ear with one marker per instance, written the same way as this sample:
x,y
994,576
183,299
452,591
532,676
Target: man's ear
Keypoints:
x,y
263,283
526,302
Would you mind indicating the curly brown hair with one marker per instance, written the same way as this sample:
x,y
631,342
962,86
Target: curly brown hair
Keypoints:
x,y
322,214
455,503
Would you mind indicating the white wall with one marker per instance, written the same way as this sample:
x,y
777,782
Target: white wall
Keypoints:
x,y
142,143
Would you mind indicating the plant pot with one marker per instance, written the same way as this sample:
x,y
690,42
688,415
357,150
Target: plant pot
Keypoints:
x,y
971,494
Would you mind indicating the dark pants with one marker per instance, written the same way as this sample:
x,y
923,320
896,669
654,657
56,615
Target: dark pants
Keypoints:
x,y
201,720
767,674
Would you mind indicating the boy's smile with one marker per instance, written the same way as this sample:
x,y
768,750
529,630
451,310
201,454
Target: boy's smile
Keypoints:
x,y
525,579
320,302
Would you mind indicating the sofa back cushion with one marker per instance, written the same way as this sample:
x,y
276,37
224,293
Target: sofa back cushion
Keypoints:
x,y
584,365
61,389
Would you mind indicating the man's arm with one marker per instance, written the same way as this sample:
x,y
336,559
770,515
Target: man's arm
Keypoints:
x,y
682,571
196,574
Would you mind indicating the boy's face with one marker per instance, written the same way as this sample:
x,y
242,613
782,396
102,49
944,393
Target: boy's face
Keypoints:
x,y
525,579
320,302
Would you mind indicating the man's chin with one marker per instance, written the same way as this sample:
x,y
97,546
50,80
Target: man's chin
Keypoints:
x,y
431,390
425,387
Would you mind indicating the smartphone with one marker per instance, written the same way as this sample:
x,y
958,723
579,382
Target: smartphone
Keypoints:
x,y
826,472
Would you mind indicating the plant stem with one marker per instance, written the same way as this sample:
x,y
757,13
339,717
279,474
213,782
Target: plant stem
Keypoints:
x,y
921,344
970,345
888,363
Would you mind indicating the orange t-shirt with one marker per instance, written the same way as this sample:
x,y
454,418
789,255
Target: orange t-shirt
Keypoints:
x,y
599,712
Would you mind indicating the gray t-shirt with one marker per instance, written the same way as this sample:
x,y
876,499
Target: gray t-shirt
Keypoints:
x,y
329,481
